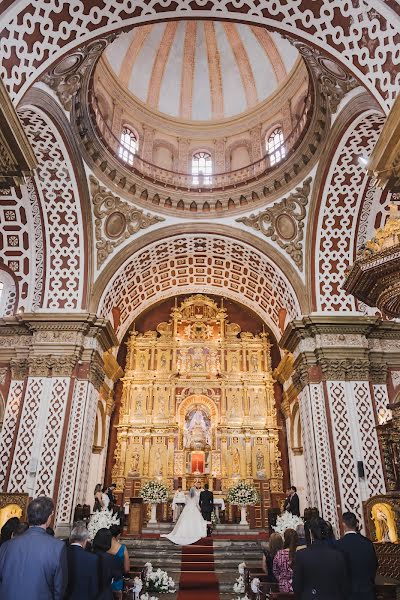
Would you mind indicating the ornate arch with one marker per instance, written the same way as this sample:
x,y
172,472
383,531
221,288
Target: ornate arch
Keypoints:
x,y
199,263
194,399
242,143
36,35
169,146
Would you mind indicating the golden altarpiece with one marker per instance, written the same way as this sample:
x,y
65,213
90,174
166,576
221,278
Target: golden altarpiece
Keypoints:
x,y
197,404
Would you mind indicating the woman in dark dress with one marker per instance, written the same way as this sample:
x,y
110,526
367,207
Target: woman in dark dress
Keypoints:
x,y
110,568
98,502
275,543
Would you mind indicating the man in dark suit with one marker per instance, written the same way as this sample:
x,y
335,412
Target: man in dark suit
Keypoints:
x,y
359,553
320,570
83,567
206,503
292,502
34,565
110,493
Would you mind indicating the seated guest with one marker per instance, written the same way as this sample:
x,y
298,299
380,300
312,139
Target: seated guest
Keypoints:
x,y
275,543
34,565
319,570
121,554
110,568
83,567
360,557
8,529
284,561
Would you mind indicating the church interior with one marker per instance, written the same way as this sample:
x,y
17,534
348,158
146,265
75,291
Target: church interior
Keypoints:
x,y
200,266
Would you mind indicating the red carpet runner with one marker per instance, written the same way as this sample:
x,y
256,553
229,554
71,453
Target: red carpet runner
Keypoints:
x,y
198,580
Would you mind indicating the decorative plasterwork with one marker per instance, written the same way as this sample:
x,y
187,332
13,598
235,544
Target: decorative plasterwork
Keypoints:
x,y
115,220
65,78
284,222
384,162
17,159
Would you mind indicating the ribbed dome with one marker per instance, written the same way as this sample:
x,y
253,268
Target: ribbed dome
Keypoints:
x,y
201,70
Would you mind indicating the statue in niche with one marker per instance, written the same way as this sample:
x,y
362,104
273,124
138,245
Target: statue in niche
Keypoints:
x,y
254,362
161,406
163,361
260,462
138,407
235,406
255,406
158,467
135,462
142,363
236,462
234,363
385,523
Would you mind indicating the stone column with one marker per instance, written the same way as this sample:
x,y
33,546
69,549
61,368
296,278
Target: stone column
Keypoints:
x,y
49,417
183,155
338,362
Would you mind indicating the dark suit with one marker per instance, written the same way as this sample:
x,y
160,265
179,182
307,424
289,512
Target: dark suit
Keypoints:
x,y
292,504
34,566
320,573
362,565
206,504
83,574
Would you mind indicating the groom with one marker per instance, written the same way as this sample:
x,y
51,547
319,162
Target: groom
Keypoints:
x,y
206,503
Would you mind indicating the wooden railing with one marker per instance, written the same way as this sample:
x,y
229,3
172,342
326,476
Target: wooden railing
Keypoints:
x,y
201,183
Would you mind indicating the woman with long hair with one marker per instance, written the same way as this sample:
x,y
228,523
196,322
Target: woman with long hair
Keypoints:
x,y
110,568
121,554
284,561
275,543
98,499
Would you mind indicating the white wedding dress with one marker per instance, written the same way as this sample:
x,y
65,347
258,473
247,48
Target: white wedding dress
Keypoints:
x,y
190,527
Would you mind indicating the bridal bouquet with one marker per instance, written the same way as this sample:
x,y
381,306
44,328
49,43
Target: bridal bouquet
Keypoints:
x,y
287,521
101,519
158,580
242,494
154,492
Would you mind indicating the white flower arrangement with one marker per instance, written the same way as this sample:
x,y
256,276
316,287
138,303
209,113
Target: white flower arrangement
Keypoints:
x,y
286,521
101,519
242,494
154,492
245,597
158,580
146,596
239,586
255,585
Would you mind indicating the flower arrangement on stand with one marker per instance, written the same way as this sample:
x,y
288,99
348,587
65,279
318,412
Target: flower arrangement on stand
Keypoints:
x,y
157,580
286,521
239,586
101,519
242,494
154,492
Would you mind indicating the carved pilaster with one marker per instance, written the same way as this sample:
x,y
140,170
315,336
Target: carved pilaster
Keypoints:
x,y
19,368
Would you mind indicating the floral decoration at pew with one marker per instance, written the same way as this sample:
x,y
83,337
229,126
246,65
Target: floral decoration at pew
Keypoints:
x,y
287,521
154,492
157,580
239,586
101,519
242,494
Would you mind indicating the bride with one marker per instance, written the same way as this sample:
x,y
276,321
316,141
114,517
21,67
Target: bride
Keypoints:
x,y
190,526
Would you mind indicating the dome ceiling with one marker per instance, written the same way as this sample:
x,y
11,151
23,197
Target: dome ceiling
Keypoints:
x,y
201,70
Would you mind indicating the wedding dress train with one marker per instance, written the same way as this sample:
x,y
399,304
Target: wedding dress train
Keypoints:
x,y
190,527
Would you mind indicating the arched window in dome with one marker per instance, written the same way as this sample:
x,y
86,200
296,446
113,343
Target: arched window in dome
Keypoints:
x,y
276,146
128,145
201,168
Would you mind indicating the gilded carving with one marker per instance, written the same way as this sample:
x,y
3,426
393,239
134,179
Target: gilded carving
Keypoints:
x,y
115,220
283,222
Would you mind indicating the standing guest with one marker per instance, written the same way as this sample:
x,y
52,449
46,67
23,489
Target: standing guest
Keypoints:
x,y
301,535
83,567
329,536
320,570
34,565
292,502
110,568
98,499
284,561
120,552
178,504
8,529
275,543
360,557
22,527
105,500
110,493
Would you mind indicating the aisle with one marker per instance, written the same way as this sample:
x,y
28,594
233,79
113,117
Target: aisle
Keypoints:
x,y
198,580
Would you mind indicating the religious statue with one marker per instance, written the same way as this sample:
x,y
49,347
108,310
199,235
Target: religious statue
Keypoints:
x,y
260,460
255,406
236,462
385,523
161,406
234,363
138,407
254,362
163,361
142,363
135,462
158,467
235,406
